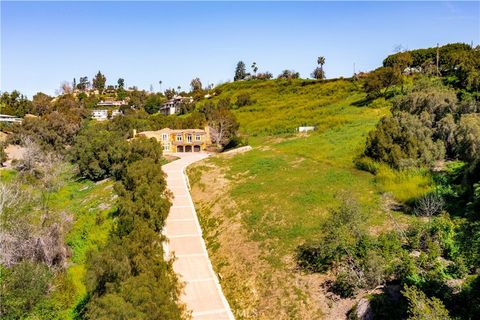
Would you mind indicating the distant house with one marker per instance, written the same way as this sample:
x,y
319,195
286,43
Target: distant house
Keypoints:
x,y
172,106
100,114
184,140
306,129
111,103
9,118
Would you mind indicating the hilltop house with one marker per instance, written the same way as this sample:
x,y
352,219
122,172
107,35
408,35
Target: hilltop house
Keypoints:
x,y
9,118
100,114
183,140
111,103
172,106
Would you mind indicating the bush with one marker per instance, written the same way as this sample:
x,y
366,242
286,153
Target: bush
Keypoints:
x,y
100,154
55,130
244,99
23,286
403,141
366,164
345,284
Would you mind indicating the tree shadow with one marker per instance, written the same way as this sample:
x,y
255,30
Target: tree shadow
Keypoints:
x,y
362,102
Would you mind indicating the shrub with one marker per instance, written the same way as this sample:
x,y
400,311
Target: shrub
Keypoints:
x,y
345,284
403,141
23,286
244,99
420,307
366,164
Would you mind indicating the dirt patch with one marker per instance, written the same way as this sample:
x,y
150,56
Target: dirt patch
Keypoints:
x,y
14,152
170,158
254,287
3,136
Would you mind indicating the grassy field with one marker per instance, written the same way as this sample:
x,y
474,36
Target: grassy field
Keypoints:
x,y
280,192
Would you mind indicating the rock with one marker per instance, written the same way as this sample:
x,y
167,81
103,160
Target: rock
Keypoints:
x,y
363,310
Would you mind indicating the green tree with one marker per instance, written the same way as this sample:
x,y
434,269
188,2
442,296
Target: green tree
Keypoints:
x,y
289,75
196,84
420,307
99,81
378,82
15,103
403,140
23,286
170,93
254,68
240,71
468,137
121,83
318,73
41,104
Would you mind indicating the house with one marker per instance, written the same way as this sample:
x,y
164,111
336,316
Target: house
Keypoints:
x,y
100,114
111,103
183,140
9,118
306,129
172,106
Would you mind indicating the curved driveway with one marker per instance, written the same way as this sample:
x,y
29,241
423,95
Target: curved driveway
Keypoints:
x,y
202,295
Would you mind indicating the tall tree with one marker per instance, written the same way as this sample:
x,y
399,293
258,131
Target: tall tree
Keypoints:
x,y
99,81
83,84
121,83
240,72
318,73
196,84
223,126
74,84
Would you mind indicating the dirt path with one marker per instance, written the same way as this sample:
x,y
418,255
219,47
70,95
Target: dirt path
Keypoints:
x,y
202,294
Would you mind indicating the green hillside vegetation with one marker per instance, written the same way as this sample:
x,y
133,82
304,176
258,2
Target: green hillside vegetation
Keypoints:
x,y
356,200
89,207
380,202
284,189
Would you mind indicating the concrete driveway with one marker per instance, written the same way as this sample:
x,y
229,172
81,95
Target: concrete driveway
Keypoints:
x,y
202,294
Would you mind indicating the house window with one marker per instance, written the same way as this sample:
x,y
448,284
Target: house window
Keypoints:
x,y
179,137
165,137
197,137
166,147
189,137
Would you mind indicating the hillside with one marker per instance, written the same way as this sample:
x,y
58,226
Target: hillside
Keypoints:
x,y
276,197
280,106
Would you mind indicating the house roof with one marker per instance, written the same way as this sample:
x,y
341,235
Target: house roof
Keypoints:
x,y
158,133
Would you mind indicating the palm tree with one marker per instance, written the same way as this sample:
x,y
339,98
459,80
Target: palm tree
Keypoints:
x,y
321,62
254,67
160,83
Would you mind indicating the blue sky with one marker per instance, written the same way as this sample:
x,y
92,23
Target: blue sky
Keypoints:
x,y
45,43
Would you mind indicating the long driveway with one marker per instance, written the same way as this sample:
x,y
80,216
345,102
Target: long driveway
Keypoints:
x,y
202,294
